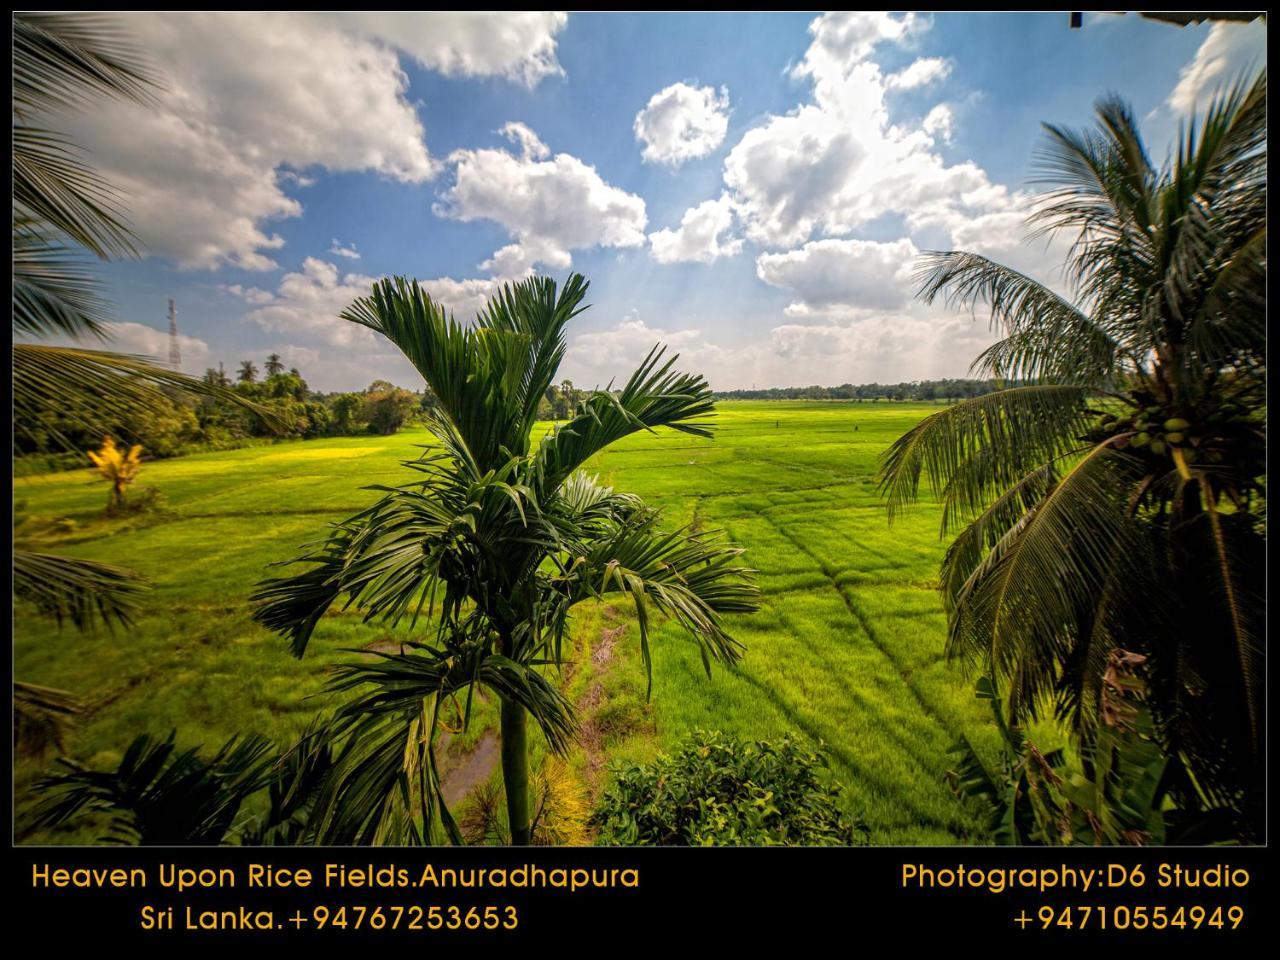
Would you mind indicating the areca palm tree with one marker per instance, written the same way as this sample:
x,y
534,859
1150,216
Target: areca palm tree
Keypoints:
x,y
504,536
1114,495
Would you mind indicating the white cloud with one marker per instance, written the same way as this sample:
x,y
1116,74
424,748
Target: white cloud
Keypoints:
x,y
920,73
842,277
309,301
596,358
332,353
338,250
519,46
248,294
254,100
887,348
463,298
332,370
139,339
699,237
838,161
531,147
550,206
843,38
1226,53
939,123
246,96
682,123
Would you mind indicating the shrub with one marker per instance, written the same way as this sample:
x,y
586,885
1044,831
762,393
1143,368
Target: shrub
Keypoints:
x,y
560,808
717,791
119,467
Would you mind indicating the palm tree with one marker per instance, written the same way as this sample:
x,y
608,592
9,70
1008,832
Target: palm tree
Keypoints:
x,y
274,365
216,378
61,207
506,536
1114,495
247,373
119,466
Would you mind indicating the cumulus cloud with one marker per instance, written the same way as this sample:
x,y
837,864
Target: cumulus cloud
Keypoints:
x,y
939,123
253,101
837,162
1228,51
920,73
888,348
519,46
139,339
338,250
531,147
247,96
550,205
701,236
308,302
682,122
837,277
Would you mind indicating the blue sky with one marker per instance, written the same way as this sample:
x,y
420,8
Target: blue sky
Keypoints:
x,y
750,188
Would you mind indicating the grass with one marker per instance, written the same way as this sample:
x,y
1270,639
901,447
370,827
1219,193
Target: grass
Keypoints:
x,y
847,649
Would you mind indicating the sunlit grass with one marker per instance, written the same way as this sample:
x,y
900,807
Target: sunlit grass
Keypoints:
x,y
847,649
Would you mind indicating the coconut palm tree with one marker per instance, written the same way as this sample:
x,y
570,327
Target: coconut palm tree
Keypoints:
x,y
63,210
1114,495
247,373
274,365
505,535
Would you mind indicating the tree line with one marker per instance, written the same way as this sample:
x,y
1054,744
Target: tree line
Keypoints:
x,y
173,422
920,390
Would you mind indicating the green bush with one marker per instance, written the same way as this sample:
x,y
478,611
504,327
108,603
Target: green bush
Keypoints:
x,y
717,791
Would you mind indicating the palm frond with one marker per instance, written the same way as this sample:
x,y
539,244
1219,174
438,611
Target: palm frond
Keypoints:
x,y
294,782
1045,337
83,592
93,388
693,577
54,186
1021,609
42,717
487,379
1235,548
158,794
54,289
655,396
974,450
66,61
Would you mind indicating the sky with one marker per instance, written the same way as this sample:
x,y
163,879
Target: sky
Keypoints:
x,y
752,190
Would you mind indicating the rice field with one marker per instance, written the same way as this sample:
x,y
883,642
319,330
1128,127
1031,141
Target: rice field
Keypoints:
x,y
846,650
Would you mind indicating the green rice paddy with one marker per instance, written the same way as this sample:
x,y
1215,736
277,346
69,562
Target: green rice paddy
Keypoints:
x,y
847,648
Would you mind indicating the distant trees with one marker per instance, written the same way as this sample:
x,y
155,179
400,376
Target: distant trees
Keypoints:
x,y
950,390
387,408
274,365
216,377
281,405
559,402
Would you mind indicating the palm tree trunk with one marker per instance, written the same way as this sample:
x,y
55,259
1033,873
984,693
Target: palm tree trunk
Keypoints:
x,y
515,770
